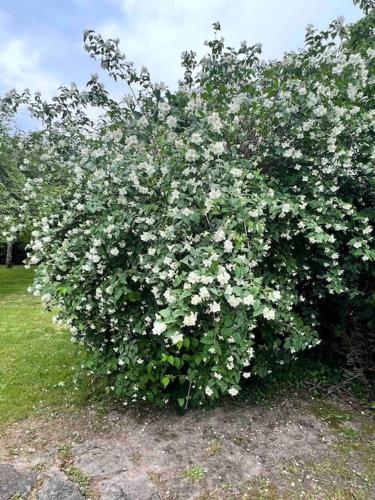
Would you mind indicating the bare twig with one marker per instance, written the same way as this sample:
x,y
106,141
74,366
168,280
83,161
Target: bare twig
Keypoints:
x,y
188,396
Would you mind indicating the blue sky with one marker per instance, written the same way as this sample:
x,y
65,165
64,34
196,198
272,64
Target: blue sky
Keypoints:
x,y
41,40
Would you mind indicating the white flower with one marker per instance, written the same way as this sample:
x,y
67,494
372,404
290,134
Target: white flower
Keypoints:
x,y
235,105
114,251
191,155
228,246
174,195
158,328
46,297
206,280
171,121
319,110
190,319
169,297
208,391
352,91
217,148
186,212
246,374
146,236
149,169
233,391
275,296
196,299
214,307
196,138
176,338
214,194
233,300
236,172
193,277
131,141
248,300
230,364
269,313
223,277
164,108
204,293
219,235
215,122
142,122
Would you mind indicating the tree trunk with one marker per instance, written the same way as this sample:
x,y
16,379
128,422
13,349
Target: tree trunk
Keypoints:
x,y
8,260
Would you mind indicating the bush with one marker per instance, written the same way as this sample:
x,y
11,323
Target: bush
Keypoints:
x,y
201,230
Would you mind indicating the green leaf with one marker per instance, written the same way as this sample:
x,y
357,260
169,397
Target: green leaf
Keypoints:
x,y
165,381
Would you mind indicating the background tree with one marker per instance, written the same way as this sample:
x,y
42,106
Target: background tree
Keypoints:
x,y
30,176
12,181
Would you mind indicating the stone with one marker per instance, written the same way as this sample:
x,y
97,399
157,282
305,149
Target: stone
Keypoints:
x,y
102,459
15,482
59,488
123,487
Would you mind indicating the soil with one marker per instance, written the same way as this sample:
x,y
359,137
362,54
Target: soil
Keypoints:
x,y
291,447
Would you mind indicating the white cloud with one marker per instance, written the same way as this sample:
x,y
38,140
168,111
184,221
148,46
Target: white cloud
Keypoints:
x,y
152,32
20,68
155,32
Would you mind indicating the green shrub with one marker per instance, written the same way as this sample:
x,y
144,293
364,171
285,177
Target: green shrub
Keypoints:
x,y
201,230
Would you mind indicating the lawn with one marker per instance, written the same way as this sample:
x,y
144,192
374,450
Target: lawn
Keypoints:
x,y
37,359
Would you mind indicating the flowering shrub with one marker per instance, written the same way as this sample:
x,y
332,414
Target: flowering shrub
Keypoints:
x,y
200,230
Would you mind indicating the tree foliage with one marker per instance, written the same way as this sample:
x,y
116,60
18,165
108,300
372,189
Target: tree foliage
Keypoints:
x,y
11,179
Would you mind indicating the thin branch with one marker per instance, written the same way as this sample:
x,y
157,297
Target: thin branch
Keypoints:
x,y
188,396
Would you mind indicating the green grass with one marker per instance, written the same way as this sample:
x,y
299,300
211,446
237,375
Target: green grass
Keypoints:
x,y
14,281
195,473
81,479
37,359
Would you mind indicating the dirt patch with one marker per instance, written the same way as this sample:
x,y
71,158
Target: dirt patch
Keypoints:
x,y
281,450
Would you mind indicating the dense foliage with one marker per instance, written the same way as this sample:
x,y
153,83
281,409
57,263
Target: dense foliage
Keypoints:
x,y
200,231
29,178
11,179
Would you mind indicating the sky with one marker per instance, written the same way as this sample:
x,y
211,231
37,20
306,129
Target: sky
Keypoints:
x,y
41,41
